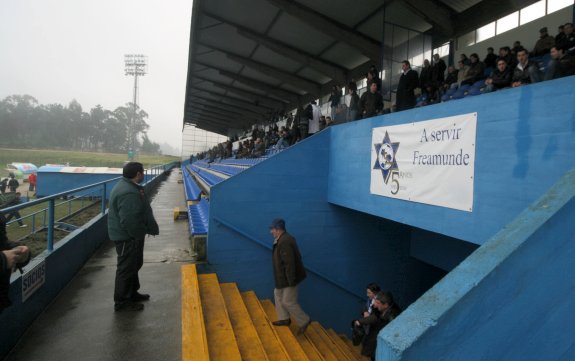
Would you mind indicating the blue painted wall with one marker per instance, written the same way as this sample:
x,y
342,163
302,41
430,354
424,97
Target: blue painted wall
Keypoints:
x,y
525,142
343,250
513,299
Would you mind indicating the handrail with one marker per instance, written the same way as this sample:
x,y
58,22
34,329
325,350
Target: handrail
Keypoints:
x,y
54,196
152,172
269,247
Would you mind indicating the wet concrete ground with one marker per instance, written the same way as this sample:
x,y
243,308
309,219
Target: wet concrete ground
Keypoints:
x,y
81,323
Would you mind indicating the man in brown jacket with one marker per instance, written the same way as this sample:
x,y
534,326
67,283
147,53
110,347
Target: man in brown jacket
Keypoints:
x,y
288,273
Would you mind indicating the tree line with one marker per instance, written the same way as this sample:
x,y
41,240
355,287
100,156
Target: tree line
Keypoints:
x,y
24,123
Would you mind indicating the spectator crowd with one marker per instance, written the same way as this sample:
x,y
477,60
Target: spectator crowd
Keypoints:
x,y
551,58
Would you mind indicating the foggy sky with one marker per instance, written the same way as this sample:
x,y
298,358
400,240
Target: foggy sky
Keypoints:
x,y
59,50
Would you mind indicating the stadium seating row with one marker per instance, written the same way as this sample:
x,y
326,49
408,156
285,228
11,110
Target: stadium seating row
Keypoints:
x,y
191,188
209,178
198,215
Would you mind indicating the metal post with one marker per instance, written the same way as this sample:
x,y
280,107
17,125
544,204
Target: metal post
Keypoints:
x,y
103,198
50,225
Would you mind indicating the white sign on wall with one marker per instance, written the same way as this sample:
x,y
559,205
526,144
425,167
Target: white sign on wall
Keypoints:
x,y
429,162
33,279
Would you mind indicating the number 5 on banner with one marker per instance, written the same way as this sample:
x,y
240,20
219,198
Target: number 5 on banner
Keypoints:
x,y
394,188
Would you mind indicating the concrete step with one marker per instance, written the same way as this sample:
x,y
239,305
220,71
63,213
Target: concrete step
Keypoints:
x,y
194,339
249,343
275,350
355,349
222,344
325,349
342,346
289,340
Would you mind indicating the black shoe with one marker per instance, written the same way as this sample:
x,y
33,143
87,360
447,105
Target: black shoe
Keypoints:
x,y
282,322
128,306
302,329
138,297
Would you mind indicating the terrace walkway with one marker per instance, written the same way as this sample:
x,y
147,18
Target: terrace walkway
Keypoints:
x,y
81,323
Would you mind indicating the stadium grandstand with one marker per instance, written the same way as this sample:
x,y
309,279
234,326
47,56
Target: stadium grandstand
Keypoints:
x,y
453,191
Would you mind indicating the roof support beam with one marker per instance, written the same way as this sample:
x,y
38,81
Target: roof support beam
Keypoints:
x,y
219,103
219,110
211,127
364,44
217,113
325,67
280,93
294,80
259,98
308,85
261,109
216,121
256,97
214,103
218,118
434,13
270,89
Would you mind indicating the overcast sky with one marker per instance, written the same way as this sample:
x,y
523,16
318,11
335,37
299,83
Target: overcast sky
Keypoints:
x,y
59,50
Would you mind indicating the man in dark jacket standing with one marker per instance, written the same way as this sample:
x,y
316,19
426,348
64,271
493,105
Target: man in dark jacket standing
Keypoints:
x,y
407,83
371,102
130,218
288,274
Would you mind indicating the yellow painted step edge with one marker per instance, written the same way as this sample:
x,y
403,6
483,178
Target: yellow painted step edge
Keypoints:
x,y
341,345
249,343
194,340
355,349
220,334
290,342
340,354
319,343
267,333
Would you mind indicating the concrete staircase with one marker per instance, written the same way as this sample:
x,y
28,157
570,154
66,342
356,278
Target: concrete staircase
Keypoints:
x,y
221,323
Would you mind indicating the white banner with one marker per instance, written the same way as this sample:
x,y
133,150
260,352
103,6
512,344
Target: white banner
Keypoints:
x,y
430,162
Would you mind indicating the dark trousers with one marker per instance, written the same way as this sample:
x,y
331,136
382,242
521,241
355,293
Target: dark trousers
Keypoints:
x,y
130,260
15,214
303,128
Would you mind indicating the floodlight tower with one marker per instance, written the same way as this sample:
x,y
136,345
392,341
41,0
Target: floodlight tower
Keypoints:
x,y
135,65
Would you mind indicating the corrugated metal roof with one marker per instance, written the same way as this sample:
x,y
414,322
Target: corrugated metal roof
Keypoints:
x,y
252,53
460,5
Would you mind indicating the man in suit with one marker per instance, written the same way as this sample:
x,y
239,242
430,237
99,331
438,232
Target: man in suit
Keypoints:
x,y
288,274
407,84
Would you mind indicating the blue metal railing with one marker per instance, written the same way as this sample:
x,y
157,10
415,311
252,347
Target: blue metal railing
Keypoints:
x,y
150,174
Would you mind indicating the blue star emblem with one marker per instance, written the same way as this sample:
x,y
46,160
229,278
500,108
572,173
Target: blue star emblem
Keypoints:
x,y
385,160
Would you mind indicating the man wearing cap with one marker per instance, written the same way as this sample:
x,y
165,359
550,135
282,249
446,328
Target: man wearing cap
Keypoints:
x,y
544,44
288,274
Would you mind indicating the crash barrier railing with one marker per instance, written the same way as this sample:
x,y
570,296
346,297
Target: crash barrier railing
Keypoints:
x,y
89,194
